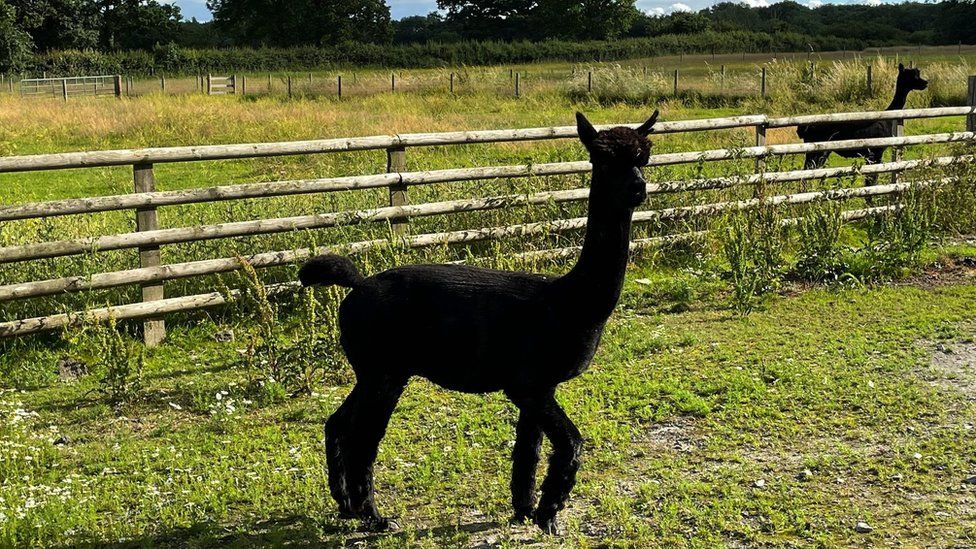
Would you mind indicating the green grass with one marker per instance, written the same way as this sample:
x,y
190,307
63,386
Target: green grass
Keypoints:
x,y
683,414
686,407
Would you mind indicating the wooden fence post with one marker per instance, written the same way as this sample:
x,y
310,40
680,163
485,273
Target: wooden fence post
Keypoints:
x,y
396,162
393,82
339,86
675,81
971,118
269,82
243,85
723,79
452,83
898,131
162,83
762,84
760,161
118,86
154,330
289,86
233,80
870,82
64,89
589,82
209,84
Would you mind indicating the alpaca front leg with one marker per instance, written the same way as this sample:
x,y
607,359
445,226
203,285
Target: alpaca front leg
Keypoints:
x,y
525,460
368,421
567,443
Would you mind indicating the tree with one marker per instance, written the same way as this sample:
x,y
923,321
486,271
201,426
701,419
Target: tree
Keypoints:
x,y
490,19
138,24
584,19
58,24
15,44
302,22
423,28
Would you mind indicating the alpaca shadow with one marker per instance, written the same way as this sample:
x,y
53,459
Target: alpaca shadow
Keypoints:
x,y
288,531
362,539
291,531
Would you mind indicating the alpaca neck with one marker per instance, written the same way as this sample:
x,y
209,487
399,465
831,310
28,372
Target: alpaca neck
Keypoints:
x,y
901,97
594,284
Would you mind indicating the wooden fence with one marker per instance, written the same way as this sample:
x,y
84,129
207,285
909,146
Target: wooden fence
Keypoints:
x,y
752,81
148,238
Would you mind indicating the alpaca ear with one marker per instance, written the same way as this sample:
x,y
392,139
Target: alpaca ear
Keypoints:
x,y
647,127
587,133
901,67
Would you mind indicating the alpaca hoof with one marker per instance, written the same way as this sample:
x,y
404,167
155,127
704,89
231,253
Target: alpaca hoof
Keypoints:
x,y
547,525
380,524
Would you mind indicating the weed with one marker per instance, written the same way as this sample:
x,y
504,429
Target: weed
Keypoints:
x,y
116,360
753,245
897,239
316,354
821,258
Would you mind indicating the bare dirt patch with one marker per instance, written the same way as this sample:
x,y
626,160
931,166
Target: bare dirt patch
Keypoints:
x,y
678,434
944,272
953,368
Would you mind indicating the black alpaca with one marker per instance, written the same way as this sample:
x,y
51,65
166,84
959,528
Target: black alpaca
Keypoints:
x,y
908,80
479,331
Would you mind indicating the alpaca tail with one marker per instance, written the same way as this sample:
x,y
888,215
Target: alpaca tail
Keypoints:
x,y
328,270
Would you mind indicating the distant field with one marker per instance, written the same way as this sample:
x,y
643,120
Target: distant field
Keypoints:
x,y
827,407
698,74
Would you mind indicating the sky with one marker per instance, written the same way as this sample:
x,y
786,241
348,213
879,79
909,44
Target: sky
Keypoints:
x,y
404,8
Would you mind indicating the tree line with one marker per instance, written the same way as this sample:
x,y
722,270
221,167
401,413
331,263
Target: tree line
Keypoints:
x,y
33,30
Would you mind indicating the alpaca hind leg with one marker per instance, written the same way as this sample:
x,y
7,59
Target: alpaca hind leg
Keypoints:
x,y
525,460
564,462
815,160
369,419
874,156
337,430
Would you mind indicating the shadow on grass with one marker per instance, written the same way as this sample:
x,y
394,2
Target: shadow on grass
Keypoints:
x,y
290,531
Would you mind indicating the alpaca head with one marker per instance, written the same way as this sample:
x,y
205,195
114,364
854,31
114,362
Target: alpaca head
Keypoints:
x,y
910,79
617,155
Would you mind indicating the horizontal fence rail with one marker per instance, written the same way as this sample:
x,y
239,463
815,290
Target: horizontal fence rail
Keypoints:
x,y
259,150
214,299
148,238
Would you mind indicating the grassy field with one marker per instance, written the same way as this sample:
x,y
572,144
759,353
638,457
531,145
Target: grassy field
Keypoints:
x,y
785,427
825,407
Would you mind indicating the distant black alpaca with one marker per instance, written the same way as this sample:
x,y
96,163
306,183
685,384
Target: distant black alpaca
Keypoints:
x,y
479,331
908,80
